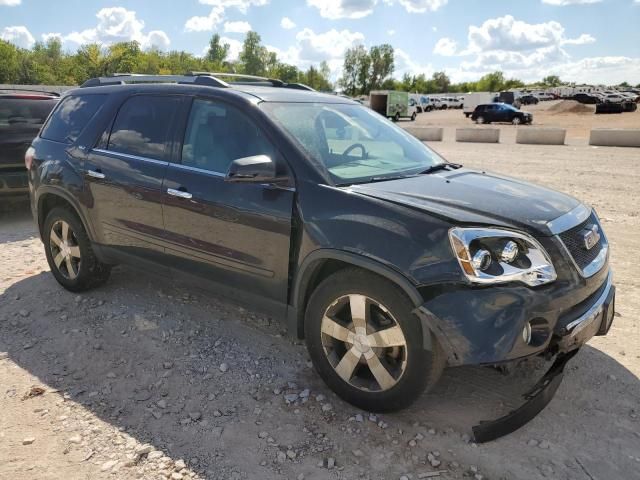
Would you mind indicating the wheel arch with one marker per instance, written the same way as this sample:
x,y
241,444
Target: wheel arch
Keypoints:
x,y
49,198
319,264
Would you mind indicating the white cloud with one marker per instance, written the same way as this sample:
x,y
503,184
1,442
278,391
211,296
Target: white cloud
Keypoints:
x,y
10,3
391,32
242,5
507,33
336,9
445,47
404,63
581,40
323,46
19,35
287,23
209,22
237,27
563,3
51,36
235,46
206,23
117,24
421,6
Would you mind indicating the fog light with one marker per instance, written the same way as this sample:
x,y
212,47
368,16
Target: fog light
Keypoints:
x,y
481,260
526,333
509,252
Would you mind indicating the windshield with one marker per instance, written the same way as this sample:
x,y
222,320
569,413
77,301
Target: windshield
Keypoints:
x,y
352,143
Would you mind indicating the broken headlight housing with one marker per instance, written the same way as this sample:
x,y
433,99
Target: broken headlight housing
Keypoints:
x,y
492,255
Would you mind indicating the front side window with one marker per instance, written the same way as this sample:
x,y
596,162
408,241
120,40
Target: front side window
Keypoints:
x,y
217,134
71,117
351,142
142,126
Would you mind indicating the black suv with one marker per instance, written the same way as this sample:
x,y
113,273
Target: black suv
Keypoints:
x,y
390,262
22,114
501,113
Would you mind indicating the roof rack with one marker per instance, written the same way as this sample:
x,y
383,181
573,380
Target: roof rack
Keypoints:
x,y
211,79
123,78
42,92
244,79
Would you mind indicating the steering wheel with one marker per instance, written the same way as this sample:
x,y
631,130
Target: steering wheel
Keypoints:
x,y
350,148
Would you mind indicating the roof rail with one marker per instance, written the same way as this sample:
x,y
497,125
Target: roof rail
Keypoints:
x,y
123,78
244,79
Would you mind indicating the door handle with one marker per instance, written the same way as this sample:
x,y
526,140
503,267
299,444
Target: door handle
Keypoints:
x,y
179,193
96,174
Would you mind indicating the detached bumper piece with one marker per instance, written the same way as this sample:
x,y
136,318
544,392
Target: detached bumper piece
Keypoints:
x,y
536,399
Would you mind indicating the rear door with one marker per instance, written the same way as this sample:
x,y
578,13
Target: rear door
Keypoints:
x,y
124,175
236,234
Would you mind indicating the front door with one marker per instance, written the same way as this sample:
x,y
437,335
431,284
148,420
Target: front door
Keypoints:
x,y
232,233
125,173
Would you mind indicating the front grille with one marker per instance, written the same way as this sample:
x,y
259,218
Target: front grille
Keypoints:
x,y
574,241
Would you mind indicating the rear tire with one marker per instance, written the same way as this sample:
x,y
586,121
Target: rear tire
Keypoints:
x,y
413,117
69,253
374,359
396,117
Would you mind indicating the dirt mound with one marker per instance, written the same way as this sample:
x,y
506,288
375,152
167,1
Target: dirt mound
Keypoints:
x,y
571,106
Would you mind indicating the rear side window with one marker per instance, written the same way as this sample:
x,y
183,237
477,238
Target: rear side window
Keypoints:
x,y
18,112
73,114
142,127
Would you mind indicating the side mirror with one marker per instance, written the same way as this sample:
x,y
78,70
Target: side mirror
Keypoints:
x,y
255,169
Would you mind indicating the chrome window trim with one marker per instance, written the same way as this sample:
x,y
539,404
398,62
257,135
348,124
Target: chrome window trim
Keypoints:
x,y
129,156
591,315
569,220
199,170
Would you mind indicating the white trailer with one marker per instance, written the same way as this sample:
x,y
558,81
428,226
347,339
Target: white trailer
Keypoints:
x,y
472,100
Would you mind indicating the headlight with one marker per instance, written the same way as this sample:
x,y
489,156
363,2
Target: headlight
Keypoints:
x,y
492,255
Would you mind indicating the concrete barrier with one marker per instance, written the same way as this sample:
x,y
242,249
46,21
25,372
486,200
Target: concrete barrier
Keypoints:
x,y
615,137
478,135
426,134
541,136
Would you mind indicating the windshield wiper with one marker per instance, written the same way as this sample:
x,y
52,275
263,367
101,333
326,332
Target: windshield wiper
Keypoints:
x,y
440,166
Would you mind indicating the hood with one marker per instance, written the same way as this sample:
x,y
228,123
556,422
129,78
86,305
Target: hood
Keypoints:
x,y
469,197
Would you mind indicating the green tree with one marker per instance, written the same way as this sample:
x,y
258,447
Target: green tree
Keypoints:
x,y
491,82
217,52
551,81
355,71
382,64
9,62
441,81
252,55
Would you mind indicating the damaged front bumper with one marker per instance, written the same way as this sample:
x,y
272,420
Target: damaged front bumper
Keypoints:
x,y
568,336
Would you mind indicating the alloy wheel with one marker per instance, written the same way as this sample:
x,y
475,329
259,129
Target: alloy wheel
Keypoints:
x,y
516,120
364,343
65,250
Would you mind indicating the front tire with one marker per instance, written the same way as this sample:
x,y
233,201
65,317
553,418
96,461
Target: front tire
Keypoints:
x,y
516,121
69,253
413,117
480,120
366,344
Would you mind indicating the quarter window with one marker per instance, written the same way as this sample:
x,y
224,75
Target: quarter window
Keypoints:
x,y
71,117
142,126
217,134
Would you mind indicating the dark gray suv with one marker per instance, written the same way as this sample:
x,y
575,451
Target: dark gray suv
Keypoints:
x,y
389,261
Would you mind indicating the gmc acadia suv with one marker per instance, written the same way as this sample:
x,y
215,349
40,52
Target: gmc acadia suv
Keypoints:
x,y
390,262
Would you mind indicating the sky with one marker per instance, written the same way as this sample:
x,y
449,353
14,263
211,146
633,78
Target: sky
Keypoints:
x,y
583,41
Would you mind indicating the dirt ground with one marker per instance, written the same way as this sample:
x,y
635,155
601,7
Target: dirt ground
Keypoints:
x,y
556,113
148,379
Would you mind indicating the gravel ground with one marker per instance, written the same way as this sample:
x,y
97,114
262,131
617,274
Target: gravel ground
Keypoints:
x,y
145,378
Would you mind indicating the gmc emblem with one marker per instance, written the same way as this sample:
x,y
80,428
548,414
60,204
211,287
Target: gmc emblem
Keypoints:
x,y
590,237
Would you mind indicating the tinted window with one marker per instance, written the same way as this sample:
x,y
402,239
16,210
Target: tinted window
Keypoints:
x,y
71,116
18,112
142,126
217,134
